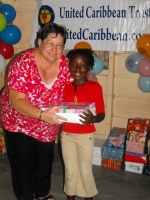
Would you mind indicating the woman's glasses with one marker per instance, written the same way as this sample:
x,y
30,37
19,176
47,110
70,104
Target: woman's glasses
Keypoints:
x,y
51,45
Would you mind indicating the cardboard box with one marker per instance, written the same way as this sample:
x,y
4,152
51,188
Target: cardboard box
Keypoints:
x,y
134,167
117,137
135,147
71,110
135,157
112,164
114,153
98,143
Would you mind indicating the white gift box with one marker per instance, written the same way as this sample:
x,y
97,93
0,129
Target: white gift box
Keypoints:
x,y
98,143
134,167
71,110
97,161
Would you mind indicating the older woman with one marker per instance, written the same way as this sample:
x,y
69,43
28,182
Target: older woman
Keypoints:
x,y
36,77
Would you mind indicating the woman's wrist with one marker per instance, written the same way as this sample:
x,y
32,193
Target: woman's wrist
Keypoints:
x,y
40,116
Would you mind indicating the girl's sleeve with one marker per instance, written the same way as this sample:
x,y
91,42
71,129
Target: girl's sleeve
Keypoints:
x,y
99,99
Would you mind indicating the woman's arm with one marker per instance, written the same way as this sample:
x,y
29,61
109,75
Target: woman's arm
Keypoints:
x,y
18,101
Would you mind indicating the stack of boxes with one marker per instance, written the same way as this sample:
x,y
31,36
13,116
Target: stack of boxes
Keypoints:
x,y
97,158
136,136
114,148
2,142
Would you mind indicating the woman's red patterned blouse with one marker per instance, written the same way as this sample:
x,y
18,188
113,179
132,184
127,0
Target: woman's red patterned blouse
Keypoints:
x,y
24,77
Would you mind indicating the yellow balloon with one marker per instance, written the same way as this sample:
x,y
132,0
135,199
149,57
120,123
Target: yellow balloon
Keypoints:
x,y
83,45
3,22
143,45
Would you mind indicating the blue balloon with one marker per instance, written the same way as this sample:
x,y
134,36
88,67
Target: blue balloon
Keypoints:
x,y
144,83
11,34
98,66
8,11
132,62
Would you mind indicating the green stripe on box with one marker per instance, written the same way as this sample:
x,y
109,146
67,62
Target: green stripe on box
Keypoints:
x,y
64,110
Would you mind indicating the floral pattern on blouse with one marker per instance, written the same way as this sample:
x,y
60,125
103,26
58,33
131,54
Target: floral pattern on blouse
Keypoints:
x,y
24,77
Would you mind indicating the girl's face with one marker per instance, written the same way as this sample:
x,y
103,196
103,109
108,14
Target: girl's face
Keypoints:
x,y
79,67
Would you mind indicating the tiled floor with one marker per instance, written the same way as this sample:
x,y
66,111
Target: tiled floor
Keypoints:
x,y
111,184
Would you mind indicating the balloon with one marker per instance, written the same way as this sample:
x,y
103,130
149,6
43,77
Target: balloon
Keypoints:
x,y
2,64
132,62
92,77
144,67
144,83
83,45
3,22
98,66
8,11
7,50
11,34
143,45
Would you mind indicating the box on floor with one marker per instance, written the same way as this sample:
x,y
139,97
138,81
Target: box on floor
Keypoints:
x,y
114,153
98,143
134,167
112,157
135,157
135,147
2,142
112,164
137,129
117,137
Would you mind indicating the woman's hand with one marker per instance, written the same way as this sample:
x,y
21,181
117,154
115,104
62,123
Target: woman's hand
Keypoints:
x,y
50,117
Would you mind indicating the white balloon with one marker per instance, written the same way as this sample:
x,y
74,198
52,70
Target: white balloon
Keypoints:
x,y
2,64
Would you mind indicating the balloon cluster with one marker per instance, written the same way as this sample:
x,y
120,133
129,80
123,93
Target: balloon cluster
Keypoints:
x,y
98,63
9,34
140,62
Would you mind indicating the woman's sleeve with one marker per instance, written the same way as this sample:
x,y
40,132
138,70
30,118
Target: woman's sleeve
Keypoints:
x,y
18,75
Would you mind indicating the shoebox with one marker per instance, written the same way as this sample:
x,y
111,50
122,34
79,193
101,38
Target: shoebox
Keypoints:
x,y
135,147
115,153
96,161
117,137
135,157
71,110
2,142
112,164
137,129
134,167
98,143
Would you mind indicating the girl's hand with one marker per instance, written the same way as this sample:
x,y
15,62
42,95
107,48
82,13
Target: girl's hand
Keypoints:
x,y
87,117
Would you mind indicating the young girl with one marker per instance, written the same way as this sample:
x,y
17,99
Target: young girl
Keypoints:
x,y
77,140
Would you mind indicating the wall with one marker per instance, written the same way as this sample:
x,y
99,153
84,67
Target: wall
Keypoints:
x,y
123,99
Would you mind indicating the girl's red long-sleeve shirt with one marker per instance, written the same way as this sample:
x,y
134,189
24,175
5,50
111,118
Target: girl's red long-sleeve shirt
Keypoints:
x,y
88,92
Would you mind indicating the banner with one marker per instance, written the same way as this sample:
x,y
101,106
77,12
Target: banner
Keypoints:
x,y
105,24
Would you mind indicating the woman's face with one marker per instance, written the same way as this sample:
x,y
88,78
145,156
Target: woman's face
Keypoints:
x,y
52,47
79,68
